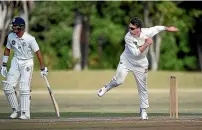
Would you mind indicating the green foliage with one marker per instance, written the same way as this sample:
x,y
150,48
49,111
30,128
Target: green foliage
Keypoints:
x,y
52,25
176,56
169,50
113,35
53,30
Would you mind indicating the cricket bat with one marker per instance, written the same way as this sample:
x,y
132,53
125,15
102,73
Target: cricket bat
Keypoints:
x,y
52,97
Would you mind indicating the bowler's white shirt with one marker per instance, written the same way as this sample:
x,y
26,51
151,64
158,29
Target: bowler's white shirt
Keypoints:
x,y
23,47
132,53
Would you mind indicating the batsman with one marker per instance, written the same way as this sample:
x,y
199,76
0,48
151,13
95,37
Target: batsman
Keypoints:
x,y
24,46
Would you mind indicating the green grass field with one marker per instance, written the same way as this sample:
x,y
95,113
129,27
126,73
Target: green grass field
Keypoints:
x,y
81,108
117,110
96,79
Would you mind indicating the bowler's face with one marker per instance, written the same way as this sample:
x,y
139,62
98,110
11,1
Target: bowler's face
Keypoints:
x,y
134,30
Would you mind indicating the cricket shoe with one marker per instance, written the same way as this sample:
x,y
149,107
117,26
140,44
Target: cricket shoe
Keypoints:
x,y
14,115
143,114
24,116
102,91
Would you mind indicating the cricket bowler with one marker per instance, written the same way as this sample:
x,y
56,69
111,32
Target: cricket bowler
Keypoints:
x,y
134,59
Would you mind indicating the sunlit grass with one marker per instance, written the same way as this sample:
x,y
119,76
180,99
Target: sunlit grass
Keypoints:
x,y
96,79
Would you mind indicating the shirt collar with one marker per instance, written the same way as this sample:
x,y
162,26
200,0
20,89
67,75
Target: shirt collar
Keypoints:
x,y
135,36
23,36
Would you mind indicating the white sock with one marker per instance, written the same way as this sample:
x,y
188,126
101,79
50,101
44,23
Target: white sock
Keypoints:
x,y
111,84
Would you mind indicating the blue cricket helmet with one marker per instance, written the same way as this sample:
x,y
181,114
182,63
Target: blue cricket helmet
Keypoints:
x,y
19,23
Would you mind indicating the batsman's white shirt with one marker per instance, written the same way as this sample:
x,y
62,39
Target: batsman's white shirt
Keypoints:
x,y
132,54
23,47
22,62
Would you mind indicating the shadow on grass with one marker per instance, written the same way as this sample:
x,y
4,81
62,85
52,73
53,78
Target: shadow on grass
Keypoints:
x,y
94,114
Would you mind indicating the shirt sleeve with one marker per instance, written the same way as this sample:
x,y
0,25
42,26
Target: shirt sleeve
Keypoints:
x,y
131,46
34,45
8,44
152,31
134,50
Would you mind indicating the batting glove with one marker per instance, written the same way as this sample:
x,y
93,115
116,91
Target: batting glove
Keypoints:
x,y
44,71
4,66
4,71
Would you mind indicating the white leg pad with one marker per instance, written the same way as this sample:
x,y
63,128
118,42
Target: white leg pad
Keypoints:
x,y
25,98
10,95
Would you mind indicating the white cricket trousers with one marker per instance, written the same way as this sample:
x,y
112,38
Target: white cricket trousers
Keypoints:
x,y
21,72
140,75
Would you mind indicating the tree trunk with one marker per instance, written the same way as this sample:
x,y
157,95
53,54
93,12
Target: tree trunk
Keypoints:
x,y
6,12
76,52
154,50
100,41
199,50
85,41
153,58
26,15
147,19
3,12
148,23
158,44
3,15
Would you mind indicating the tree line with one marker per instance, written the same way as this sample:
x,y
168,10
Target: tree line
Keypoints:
x,y
90,34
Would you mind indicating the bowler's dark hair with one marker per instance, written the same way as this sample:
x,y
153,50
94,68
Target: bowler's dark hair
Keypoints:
x,y
137,22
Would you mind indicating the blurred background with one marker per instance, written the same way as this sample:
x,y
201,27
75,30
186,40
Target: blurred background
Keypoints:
x,y
81,42
82,35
